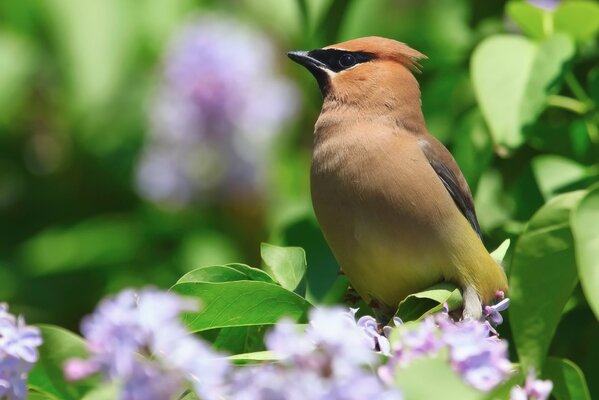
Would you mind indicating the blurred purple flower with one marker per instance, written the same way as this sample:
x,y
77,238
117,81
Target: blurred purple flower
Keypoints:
x,y
18,353
545,4
492,313
481,359
131,325
534,389
328,361
215,115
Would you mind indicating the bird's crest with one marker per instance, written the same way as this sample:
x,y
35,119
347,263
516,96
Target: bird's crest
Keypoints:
x,y
384,48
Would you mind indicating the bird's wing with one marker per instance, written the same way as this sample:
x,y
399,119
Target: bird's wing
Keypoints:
x,y
448,171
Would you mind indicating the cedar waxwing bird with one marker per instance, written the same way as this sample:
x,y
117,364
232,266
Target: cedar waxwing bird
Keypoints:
x,y
391,200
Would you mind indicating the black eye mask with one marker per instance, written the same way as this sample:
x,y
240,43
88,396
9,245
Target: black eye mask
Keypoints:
x,y
338,60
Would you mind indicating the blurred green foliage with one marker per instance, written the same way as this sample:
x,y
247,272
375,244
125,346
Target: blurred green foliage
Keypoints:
x,y
512,89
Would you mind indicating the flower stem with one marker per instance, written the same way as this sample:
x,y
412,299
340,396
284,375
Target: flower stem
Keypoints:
x,y
568,103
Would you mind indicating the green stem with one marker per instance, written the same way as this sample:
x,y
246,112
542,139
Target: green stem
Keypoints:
x,y
568,103
577,89
592,131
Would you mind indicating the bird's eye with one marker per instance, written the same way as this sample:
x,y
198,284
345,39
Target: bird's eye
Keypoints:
x,y
347,60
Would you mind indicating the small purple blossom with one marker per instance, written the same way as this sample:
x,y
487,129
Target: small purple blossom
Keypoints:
x,y
492,313
132,325
534,389
18,354
214,118
548,5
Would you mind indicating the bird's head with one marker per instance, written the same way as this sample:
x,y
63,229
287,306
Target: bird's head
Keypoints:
x,y
364,66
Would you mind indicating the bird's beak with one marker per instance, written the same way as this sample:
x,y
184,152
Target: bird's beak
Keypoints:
x,y
304,58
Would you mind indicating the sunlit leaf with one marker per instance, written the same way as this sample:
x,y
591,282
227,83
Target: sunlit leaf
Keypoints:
x,y
578,18
499,253
96,242
286,264
214,273
512,77
554,172
93,40
243,303
16,62
585,226
542,277
256,356
433,378
47,374
528,17
568,380
418,305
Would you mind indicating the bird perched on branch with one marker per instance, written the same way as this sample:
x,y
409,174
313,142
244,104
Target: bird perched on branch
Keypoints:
x,y
391,201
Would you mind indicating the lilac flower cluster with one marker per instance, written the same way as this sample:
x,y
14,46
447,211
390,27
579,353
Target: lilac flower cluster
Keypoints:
x,y
18,354
332,359
534,389
215,116
478,356
137,339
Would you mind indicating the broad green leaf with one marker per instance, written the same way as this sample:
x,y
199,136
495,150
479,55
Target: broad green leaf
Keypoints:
x,y
240,339
419,305
585,226
47,374
512,77
542,277
224,273
433,378
568,380
253,274
31,395
554,172
213,273
578,18
256,356
499,253
286,264
95,242
103,392
93,40
16,63
528,17
243,303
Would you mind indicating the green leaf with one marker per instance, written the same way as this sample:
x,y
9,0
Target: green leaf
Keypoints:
x,y
103,392
419,305
47,374
585,227
286,264
579,19
95,242
554,172
93,40
258,356
512,77
568,380
16,63
224,273
433,378
542,277
528,17
243,303
213,273
499,253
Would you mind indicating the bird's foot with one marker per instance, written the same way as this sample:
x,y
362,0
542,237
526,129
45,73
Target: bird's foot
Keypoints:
x,y
473,307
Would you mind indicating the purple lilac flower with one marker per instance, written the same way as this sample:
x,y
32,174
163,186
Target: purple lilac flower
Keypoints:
x,y
215,115
327,361
481,359
125,328
18,354
534,389
492,313
549,5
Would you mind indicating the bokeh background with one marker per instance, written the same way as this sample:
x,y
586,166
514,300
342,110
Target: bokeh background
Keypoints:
x,y
142,138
